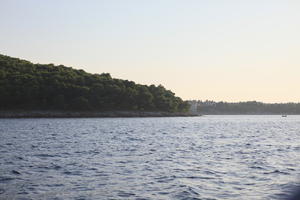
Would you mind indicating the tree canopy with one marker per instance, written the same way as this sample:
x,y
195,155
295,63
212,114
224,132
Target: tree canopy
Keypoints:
x,y
28,86
248,107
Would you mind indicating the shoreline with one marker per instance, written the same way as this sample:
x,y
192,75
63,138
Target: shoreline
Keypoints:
x,y
89,114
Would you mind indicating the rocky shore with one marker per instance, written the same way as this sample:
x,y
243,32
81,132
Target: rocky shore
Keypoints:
x,y
82,114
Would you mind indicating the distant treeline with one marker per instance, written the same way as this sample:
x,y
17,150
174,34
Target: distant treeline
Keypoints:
x,y
28,86
249,107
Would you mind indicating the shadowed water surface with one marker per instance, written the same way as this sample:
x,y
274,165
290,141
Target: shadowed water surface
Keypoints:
x,y
210,157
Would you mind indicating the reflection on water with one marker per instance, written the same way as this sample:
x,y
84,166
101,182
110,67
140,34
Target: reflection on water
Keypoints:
x,y
210,157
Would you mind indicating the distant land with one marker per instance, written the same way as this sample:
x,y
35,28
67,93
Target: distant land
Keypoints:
x,y
243,108
47,90
37,90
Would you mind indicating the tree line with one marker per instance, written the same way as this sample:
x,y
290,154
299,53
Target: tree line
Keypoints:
x,y
28,86
248,107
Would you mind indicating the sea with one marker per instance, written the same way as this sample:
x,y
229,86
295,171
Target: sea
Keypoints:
x,y
212,157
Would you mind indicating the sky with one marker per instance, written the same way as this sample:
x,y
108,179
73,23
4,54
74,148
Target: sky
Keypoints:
x,y
228,50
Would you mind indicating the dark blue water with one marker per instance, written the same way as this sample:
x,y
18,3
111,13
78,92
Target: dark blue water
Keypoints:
x,y
210,157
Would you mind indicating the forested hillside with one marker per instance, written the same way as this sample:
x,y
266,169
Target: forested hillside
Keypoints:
x,y
28,86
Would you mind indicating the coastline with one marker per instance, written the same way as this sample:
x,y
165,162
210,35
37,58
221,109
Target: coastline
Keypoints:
x,y
89,114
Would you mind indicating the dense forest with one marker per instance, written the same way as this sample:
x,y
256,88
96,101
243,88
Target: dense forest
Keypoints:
x,y
249,107
28,86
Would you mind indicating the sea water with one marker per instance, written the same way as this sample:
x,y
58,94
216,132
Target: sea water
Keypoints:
x,y
207,157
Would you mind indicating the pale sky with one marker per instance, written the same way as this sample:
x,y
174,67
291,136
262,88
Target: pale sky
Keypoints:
x,y
217,50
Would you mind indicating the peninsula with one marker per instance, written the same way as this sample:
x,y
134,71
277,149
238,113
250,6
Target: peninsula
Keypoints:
x,y
47,90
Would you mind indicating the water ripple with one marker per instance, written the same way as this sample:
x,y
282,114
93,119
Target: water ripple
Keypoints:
x,y
207,158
